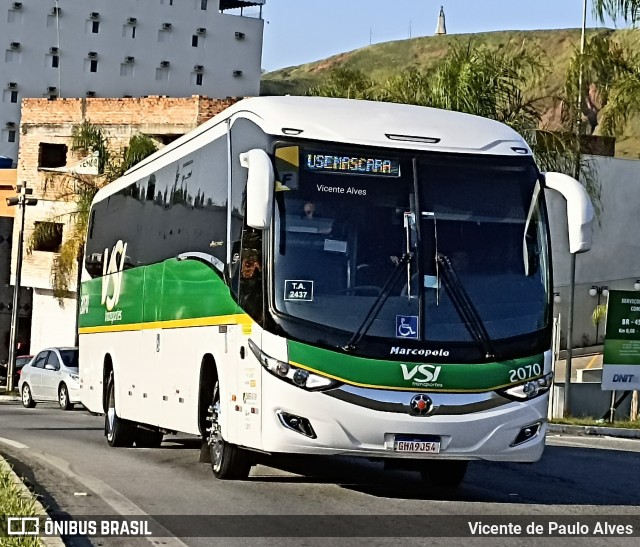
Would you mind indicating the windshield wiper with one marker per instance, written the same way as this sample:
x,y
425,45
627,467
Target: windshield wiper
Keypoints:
x,y
464,306
377,305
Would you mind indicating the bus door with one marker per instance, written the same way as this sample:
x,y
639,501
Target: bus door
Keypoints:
x,y
249,424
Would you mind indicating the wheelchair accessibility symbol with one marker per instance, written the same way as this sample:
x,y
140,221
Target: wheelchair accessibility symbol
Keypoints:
x,y
407,326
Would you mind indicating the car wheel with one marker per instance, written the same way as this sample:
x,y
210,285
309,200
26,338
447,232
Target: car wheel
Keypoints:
x,y
63,398
444,474
227,460
27,399
119,432
148,438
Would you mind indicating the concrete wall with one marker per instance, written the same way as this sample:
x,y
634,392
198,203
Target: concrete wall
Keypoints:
x,y
53,323
613,261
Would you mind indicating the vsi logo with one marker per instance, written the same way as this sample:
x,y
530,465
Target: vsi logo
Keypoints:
x,y
429,373
112,274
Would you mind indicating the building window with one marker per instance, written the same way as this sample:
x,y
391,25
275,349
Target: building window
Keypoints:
x,y
14,96
199,79
194,40
95,27
52,155
11,135
49,236
12,56
203,4
126,69
55,61
162,75
93,65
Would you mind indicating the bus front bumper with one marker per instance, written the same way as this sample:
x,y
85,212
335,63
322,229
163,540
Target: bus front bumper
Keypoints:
x,y
367,422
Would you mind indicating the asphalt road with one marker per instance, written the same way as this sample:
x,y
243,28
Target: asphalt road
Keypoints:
x,y
64,456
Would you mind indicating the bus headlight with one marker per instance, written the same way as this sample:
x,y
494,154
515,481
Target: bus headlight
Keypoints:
x,y
294,375
530,388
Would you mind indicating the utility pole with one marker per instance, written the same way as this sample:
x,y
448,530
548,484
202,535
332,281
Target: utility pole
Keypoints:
x,y
22,201
572,266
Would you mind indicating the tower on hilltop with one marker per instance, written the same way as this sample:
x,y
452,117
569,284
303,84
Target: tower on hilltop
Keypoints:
x,y
441,28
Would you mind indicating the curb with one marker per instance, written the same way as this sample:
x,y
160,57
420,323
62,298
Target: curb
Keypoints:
x,y
48,541
4,398
619,432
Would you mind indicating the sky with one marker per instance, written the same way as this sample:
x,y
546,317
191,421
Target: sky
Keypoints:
x,y
302,31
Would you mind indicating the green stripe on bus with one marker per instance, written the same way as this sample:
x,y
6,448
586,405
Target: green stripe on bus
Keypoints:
x,y
410,376
174,294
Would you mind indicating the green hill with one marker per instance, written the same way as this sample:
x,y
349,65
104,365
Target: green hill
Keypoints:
x,y
380,61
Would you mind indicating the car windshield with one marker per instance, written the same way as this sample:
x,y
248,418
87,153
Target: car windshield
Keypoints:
x,y
345,217
69,357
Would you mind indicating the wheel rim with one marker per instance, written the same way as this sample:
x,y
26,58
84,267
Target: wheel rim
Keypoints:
x,y
215,438
63,396
26,396
111,414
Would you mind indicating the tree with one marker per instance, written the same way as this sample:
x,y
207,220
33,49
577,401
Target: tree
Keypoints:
x,y
629,10
610,93
79,190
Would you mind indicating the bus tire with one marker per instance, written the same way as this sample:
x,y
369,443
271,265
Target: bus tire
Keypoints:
x,y
63,398
148,438
444,474
228,461
119,432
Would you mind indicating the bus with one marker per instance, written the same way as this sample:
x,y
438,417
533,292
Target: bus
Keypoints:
x,y
320,276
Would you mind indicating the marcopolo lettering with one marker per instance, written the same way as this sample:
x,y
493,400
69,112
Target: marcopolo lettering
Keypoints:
x,y
419,352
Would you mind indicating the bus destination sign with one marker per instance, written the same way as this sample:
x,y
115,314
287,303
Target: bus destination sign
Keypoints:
x,y
352,165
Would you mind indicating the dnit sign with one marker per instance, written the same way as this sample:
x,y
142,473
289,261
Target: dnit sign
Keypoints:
x,y
621,358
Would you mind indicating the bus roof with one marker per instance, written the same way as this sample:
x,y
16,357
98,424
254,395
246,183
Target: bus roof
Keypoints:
x,y
374,123
365,123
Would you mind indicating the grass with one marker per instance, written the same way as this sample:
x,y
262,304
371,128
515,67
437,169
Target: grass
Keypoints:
x,y
593,422
15,501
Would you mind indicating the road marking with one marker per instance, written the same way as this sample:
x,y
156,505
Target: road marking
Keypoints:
x,y
15,444
120,503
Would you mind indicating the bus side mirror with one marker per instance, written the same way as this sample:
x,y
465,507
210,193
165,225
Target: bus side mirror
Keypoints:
x,y
260,183
579,210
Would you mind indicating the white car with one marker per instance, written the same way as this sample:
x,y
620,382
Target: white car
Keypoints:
x,y
52,375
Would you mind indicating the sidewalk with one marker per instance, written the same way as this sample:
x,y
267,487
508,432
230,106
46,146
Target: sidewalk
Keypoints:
x,y
603,430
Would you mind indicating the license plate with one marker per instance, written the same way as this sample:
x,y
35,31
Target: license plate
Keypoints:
x,y
429,445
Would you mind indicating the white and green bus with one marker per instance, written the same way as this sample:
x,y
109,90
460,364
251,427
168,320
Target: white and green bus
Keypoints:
x,y
331,277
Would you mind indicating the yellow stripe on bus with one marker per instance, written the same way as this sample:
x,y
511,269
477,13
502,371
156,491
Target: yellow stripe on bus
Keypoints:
x,y
236,319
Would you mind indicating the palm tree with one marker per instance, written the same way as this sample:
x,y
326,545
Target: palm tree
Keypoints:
x,y
80,190
610,84
629,10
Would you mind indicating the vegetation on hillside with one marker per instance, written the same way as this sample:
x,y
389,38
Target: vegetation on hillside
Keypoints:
x,y
554,55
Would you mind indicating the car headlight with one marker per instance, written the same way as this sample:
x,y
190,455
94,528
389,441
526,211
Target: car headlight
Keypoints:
x,y
530,389
75,377
297,376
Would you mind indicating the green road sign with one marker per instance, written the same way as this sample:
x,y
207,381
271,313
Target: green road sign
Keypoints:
x,y
621,359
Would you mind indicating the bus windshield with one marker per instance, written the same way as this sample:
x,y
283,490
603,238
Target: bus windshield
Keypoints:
x,y
473,227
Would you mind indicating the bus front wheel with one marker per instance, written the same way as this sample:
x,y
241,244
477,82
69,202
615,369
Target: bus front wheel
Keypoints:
x,y
227,460
119,432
